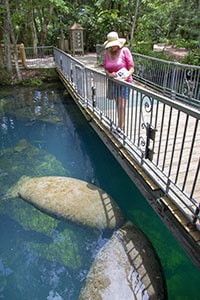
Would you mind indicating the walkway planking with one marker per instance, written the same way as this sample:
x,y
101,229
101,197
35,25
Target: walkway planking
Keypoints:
x,y
175,156
40,63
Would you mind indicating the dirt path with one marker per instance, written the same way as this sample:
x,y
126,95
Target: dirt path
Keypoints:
x,y
173,52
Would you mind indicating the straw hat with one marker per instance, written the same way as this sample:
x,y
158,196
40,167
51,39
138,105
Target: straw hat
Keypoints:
x,y
114,40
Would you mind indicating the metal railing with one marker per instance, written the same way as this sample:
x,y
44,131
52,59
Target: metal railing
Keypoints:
x,y
177,81
172,79
38,52
162,135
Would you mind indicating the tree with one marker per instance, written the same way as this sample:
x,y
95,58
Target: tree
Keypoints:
x,y
134,23
38,23
10,41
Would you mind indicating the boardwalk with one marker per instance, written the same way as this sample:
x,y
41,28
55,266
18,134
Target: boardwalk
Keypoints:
x,y
177,139
174,165
174,155
43,63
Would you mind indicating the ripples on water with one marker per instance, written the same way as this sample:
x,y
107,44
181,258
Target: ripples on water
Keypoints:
x,y
43,133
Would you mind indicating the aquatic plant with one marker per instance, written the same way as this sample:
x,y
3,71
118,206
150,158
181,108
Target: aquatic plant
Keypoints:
x,y
64,249
30,218
26,159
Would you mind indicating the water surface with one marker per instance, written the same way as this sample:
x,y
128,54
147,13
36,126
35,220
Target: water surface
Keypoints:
x,y
42,132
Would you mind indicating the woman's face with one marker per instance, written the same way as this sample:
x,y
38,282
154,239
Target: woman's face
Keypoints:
x,y
114,49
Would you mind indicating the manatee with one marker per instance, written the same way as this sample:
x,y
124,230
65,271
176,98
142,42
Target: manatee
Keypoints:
x,y
71,199
127,267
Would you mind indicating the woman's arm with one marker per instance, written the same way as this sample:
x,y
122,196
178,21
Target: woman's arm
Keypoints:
x,y
110,74
129,62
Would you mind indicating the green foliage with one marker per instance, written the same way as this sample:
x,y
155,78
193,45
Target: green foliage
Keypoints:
x,y
193,57
33,82
176,21
147,49
5,77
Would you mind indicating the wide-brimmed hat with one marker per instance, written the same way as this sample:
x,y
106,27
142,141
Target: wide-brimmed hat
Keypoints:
x,y
114,40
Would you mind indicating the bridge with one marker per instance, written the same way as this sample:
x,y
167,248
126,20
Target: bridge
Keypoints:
x,y
159,147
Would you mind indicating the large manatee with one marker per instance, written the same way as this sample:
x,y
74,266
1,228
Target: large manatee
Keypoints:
x,y
127,267
71,199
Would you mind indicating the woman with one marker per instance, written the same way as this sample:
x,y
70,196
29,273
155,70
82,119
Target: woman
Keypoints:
x,y
118,63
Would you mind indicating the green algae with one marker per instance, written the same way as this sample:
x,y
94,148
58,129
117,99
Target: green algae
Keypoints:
x,y
173,257
49,242
64,248
26,159
30,218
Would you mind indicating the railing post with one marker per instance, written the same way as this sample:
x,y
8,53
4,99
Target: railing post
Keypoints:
x,y
71,75
173,82
94,104
150,136
195,217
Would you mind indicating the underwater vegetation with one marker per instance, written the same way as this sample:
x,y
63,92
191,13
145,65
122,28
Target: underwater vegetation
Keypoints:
x,y
26,159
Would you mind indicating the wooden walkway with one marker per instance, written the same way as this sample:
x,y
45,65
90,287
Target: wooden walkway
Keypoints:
x,y
169,150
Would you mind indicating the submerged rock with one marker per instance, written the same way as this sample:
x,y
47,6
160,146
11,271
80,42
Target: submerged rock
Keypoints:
x,y
127,267
64,248
70,199
30,218
24,158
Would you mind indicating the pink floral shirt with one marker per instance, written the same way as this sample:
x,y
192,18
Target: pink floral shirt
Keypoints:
x,y
122,60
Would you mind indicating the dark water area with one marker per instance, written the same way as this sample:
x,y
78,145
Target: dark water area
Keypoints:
x,y
43,133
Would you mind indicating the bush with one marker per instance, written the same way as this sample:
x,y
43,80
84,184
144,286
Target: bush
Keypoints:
x,y
193,58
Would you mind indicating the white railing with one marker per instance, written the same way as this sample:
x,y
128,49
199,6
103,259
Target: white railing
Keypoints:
x,y
177,81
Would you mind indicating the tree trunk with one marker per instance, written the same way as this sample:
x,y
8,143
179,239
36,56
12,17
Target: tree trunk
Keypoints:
x,y
11,38
1,58
134,23
34,34
7,46
45,24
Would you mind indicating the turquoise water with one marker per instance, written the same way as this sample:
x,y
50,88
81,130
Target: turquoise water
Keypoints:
x,y
42,132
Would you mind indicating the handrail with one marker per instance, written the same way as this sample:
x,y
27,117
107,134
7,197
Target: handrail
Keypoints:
x,y
38,52
162,135
175,80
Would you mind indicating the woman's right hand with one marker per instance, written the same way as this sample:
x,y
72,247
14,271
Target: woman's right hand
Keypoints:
x,y
113,75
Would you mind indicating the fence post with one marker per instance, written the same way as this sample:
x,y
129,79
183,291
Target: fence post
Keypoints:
x,y
22,55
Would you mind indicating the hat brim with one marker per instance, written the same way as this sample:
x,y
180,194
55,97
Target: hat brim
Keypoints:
x,y
120,43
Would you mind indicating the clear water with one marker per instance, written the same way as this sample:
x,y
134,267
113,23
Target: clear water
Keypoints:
x,y
42,132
